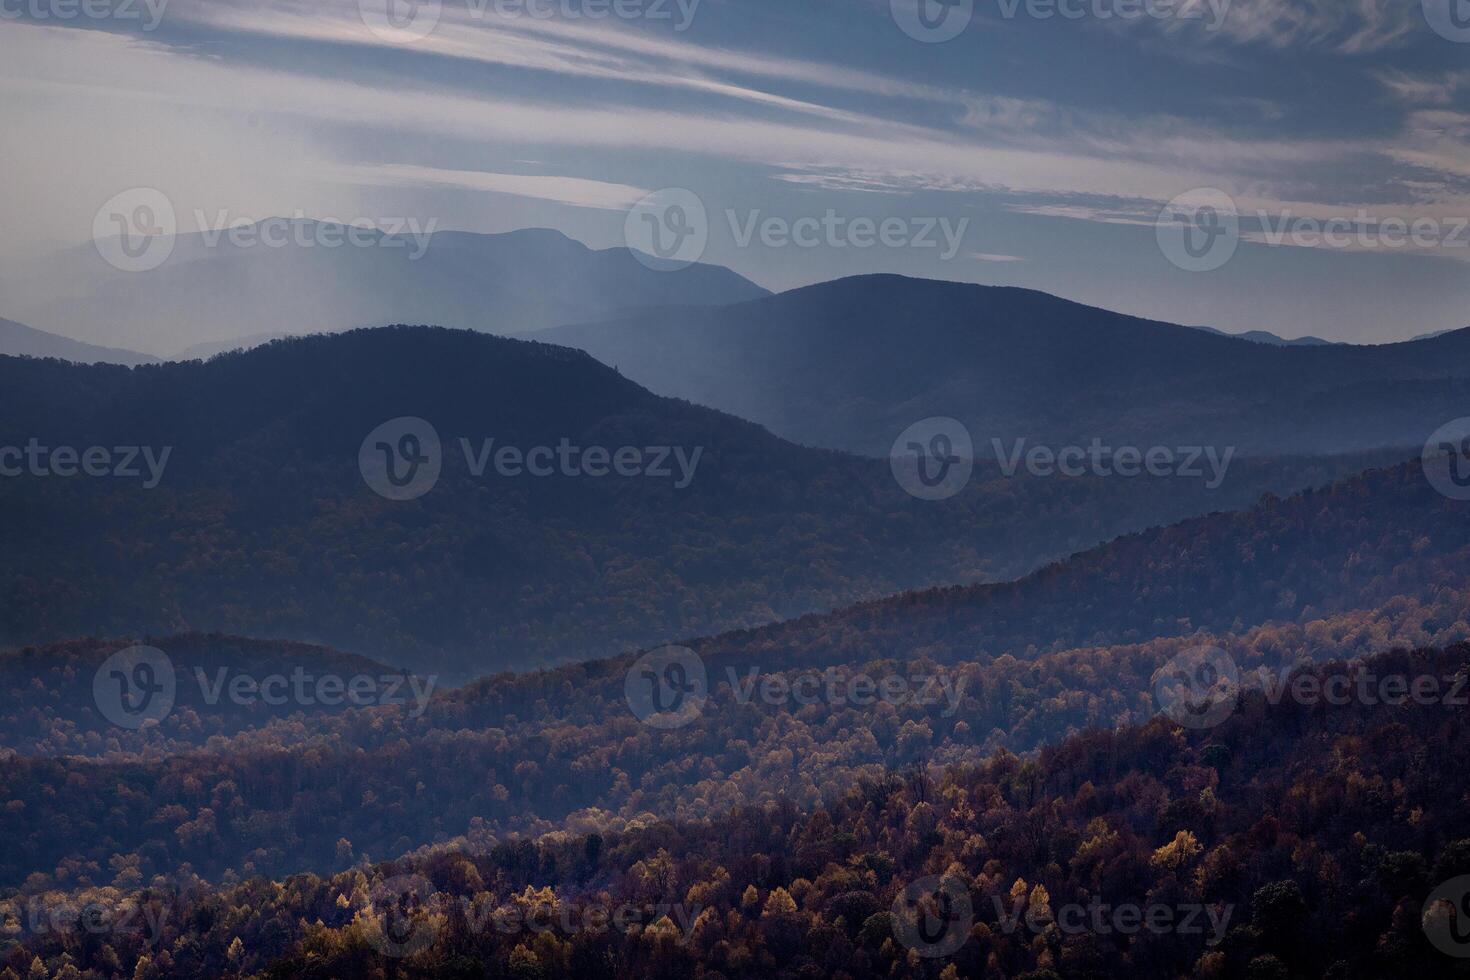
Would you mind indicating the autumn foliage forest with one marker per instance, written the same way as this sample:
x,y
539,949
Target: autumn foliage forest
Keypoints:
x,y
1016,770
1291,840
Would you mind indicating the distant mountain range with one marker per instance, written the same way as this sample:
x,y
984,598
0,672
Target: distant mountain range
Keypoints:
x,y
1265,337
212,290
851,364
1438,333
19,340
261,521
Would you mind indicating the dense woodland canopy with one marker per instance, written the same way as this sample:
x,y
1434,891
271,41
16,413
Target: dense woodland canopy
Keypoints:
x,y
561,749
1028,767
242,790
1295,841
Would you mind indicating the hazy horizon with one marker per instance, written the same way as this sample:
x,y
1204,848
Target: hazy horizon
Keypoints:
x,y
1046,139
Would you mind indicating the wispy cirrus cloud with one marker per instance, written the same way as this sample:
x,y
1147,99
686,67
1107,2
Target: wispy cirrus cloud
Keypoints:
x,y
602,51
266,106
1417,88
1005,145
1350,27
575,191
878,148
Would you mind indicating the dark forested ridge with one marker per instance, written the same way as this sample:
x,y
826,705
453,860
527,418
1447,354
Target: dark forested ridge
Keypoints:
x,y
1286,841
503,580
532,754
53,710
1353,544
550,749
261,523
1004,754
850,364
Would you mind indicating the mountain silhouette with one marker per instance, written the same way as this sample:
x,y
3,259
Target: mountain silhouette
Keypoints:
x,y
213,288
1266,337
249,509
19,340
850,364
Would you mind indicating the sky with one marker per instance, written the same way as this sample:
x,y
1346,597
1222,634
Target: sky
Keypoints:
x,y
1178,159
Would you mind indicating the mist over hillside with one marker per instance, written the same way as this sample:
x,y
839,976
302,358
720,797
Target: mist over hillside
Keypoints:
x,y
1354,570
257,505
851,364
739,490
297,276
19,340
